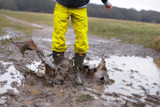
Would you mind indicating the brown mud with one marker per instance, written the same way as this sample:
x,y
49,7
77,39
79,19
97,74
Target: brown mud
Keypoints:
x,y
133,74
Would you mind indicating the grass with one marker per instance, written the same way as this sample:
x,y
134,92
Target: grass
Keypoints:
x,y
128,31
38,18
84,97
3,42
5,23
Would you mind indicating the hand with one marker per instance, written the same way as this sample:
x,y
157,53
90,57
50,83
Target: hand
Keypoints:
x,y
109,7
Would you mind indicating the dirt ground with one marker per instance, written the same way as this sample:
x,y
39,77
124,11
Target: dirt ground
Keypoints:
x,y
134,71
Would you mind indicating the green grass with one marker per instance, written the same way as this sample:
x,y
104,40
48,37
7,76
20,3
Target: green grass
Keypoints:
x,y
3,42
5,23
84,97
128,31
38,18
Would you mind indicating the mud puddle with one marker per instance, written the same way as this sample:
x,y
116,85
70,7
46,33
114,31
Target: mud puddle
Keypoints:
x,y
133,73
130,80
10,78
136,79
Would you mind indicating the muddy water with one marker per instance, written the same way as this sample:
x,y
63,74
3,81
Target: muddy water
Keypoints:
x,y
135,78
133,73
10,79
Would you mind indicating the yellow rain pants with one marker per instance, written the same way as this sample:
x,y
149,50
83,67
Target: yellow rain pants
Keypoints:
x,y
80,23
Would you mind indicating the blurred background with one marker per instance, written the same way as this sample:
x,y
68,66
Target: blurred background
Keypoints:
x,y
136,10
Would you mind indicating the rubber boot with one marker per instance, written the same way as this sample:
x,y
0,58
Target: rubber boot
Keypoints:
x,y
78,79
58,57
78,64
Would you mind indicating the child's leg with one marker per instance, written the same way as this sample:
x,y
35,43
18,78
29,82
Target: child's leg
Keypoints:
x,y
61,17
80,24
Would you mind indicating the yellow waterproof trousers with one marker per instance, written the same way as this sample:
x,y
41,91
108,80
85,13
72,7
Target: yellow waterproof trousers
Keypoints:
x,y
80,23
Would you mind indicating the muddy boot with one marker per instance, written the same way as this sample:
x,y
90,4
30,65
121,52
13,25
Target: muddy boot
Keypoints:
x,y
78,79
58,57
78,64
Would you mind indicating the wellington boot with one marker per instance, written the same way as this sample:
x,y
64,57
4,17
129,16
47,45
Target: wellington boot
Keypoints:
x,y
78,64
58,57
78,79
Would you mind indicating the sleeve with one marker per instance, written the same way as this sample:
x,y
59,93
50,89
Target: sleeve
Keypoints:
x,y
106,2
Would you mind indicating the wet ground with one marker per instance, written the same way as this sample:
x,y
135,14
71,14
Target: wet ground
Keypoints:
x,y
134,70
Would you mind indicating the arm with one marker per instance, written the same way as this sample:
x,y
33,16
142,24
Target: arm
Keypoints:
x,y
107,4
